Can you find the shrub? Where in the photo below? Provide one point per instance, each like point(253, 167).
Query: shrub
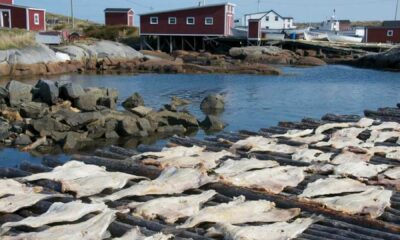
point(16, 38)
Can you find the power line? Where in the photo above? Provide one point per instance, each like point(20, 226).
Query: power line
point(397, 7)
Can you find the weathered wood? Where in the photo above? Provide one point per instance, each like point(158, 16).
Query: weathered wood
point(33, 168)
point(109, 154)
point(12, 173)
point(342, 233)
point(122, 151)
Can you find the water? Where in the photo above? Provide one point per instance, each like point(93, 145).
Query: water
point(254, 102)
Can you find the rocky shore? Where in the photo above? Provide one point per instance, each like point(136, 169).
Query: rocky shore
point(63, 114)
point(389, 60)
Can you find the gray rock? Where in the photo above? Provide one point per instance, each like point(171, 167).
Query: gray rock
point(47, 91)
point(94, 97)
point(39, 53)
point(33, 110)
point(77, 120)
point(74, 140)
point(4, 130)
point(128, 127)
point(22, 140)
point(171, 130)
point(86, 102)
point(141, 111)
point(71, 91)
point(111, 135)
point(3, 95)
point(96, 130)
point(179, 118)
point(212, 123)
point(19, 93)
point(133, 101)
point(213, 102)
point(145, 125)
point(46, 125)
point(179, 101)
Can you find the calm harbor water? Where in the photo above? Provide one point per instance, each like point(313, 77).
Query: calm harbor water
point(253, 102)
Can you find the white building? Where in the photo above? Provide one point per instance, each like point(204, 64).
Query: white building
point(270, 20)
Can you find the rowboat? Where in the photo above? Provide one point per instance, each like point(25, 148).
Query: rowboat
point(315, 36)
point(344, 39)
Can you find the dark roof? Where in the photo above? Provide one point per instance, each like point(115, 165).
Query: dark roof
point(189, 8)
point(392, 24)
point(20, 6)
point(265, 13)
point(117, 9)
point(344, 21)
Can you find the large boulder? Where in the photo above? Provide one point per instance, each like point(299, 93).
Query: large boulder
point(179, 118)
point(33, 110)
point(71, 91)
point(47, 91)
point(46, 125)
point(133, 101)
point(77, 120)
point(212, 123)
point(75, 140)
point(213, 102)
point(19, 93)
point(389, 60)
point(129, 127)
point(94, 97)
point(23, 140)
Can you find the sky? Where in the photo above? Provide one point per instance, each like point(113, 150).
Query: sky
point(300, 10)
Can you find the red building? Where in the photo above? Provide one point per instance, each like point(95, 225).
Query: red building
point(254, 33)
point(185, 28)
point(15, 16)
point(119, 16)
point(382, 34)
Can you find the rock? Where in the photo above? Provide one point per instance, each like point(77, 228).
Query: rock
point(5, 69)
point(179, 102)
point(310, 61)
point(71, 91)
point(161, 66)
point(33, 110)
point(96, 130)
point(171, 130)
point(170, 107)
point(18, 93)
point(4, 130)
point(213, 102)
point(145, 125)
point(141, 111)
point(39, 53)
point(243, 52)
point(179, 118)
point(133, 101)
point(86, 102)
point(77, 120)
point(74, 140)
point(111, 135)
point(128, 127)
point(46, 125)
point(389, 60)
point(22, 140)
point(212, 123)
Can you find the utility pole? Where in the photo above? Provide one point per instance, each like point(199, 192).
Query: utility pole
point(397, 8)
point(72, 14)
point(258, 5)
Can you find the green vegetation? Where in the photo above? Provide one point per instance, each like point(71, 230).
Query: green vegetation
point(353, 24)
point(16, 38)
point(123, 34)
point(59, 22)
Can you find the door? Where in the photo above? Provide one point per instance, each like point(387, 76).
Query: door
point(5, 19)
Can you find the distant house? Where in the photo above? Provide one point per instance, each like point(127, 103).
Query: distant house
point(345, 25)
point(391, 24)
point(382, 34)
point(16, 16)
point(270, 20)
point(187, 27)
point(119, 16)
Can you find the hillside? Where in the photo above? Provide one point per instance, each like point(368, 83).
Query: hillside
point(58, 22)
point(353, 23)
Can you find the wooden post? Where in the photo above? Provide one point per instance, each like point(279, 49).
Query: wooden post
point(183, 44)
point(141, 42)
point(158, 43)
point(194, 43)
point(170, 44)
point(204, 43)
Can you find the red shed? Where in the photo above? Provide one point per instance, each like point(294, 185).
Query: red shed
point(15, 16)
point(119, 16)
point(186, 27)
point(382, 34)
point(254, 32)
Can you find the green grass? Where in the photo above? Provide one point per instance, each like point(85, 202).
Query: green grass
point(16, 38)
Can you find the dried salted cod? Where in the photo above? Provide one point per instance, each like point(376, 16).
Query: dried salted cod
point(10, 186)
point(386, 125)
point(242, 211)
point(364, 122)
point(360, 169)
point(232, 167)
point(393, 173)
point(273, 180)
point(347, 156)
point(207, 160)
point(94, 228)
point(379, 136)
point(344, 138)
point(278, 148)
point(331, 186)
point(311, 155)
point(170, 209)
point(295, 133)
point(252, 142)
point(310, 139)
point(276, 231)
point(92, 185)
point(372, 202)
point(171, 181)
point(328, 126)
point(179, 151)
point(13, 203)
point(59, 212)
point(135, 234)
point(68, 171)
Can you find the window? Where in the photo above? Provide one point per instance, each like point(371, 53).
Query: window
point(190, 21)
point(209, 21)
point(267, 18)
point(36, 19)
point(276, 18)
point(154, 20)
point(172, 20)
point(390, 33)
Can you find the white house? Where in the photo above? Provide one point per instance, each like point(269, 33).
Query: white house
point(270, 20)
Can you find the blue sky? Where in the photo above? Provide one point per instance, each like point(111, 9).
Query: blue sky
point(301, 10)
